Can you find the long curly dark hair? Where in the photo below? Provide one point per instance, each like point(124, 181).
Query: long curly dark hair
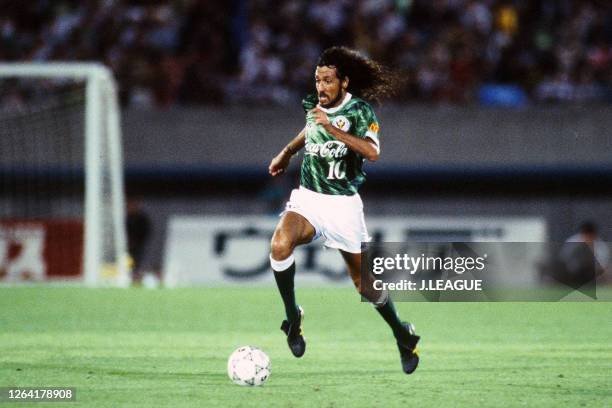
point(368, 79)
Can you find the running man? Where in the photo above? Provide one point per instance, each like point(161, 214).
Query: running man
point(341, 132)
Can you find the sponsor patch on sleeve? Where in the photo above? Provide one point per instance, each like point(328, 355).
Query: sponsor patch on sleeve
point(373, 127)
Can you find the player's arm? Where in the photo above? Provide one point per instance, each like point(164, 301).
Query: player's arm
point(279, 164)
point(365, 147)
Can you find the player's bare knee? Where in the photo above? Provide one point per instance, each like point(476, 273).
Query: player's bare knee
point(281, 247)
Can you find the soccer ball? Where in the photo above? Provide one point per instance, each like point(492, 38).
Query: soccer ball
point(248, 365)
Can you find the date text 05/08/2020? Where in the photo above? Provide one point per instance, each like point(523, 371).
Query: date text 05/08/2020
point(433, 284)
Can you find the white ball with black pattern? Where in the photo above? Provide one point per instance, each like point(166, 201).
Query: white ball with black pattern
point(248, 366)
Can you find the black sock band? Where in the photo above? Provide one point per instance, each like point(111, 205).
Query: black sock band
point(388, 312)
point(284, 281)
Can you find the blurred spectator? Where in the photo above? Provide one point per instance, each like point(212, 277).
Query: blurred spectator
point(138, 226)
point(203, 52)
point(582, 260)
point(598, 256)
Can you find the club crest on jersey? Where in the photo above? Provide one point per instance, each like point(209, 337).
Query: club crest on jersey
point(341, 122)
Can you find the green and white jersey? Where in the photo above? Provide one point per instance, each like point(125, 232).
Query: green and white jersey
point(329, 166)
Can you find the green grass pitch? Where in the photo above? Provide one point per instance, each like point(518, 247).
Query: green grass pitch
point(137, 347)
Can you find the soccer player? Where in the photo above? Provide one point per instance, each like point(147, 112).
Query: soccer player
point(341, 132)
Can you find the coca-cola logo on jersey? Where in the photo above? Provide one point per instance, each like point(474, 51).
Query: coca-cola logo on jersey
point(331, 149)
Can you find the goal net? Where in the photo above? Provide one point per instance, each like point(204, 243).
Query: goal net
point(62, 205)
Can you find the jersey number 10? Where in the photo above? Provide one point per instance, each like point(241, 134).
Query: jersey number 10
point(334, 172)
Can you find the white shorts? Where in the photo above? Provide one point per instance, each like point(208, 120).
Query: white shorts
point(336, 218)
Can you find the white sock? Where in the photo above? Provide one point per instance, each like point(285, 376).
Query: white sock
point(280, 266)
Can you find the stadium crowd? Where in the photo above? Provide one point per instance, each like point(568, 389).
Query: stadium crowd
point(208, 52)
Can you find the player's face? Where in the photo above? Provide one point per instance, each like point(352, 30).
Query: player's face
point(330, 88)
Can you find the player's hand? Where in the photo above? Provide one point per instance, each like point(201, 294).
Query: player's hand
point(320, 117)
point(279, 164)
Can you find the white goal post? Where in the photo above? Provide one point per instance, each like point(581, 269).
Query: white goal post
point(105, 260)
